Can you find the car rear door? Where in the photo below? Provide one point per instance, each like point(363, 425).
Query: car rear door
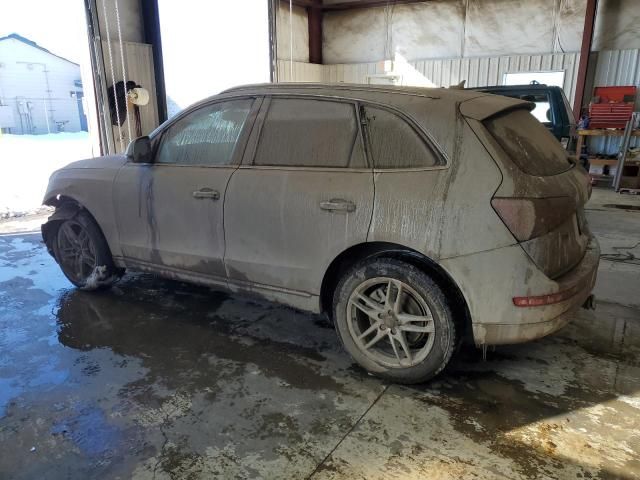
point(303, 195)
point(170, 212)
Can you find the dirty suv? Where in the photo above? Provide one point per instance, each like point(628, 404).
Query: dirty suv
point(414, 218)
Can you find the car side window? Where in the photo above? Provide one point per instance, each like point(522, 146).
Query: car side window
point(207, 136)
point(394, 143)
point(301, 132)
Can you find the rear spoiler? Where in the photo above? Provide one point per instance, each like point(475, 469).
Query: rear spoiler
point(485, 106)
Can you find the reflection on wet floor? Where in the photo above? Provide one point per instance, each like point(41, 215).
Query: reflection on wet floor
point(160, 378)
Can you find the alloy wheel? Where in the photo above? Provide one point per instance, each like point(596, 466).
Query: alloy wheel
point(76, 251)
point(390, 322)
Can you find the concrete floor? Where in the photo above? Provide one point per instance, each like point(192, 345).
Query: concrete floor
point(158, 379)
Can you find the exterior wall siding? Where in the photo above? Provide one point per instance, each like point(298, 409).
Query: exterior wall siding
point(23, 87)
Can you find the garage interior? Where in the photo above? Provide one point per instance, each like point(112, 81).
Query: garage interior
point(156, 378)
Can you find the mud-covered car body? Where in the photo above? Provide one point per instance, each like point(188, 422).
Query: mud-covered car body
point(429, 176)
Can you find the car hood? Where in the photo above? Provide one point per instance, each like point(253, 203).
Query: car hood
point(106, 161)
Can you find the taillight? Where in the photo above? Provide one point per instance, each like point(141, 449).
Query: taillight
point(540, 300)
point(528, 218)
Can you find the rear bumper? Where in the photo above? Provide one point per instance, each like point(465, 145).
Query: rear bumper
point(547, 318)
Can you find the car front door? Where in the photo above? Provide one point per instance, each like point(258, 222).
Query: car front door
point(304, 196)
point(170, 212)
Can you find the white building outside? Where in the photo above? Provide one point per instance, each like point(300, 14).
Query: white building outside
point(40, 92)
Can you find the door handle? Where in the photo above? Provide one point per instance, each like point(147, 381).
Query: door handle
point(338, 205)
point(207, 193)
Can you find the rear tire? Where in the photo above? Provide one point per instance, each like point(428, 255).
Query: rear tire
point(82, 252)
point(394, 320)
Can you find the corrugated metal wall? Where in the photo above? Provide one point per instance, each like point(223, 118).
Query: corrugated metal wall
point(302, 72)
point(478, 72)
point(613, 67)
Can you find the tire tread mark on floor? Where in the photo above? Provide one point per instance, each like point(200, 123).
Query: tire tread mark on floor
point(353, 427)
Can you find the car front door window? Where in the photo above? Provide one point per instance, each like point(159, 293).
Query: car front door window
point(207, 136)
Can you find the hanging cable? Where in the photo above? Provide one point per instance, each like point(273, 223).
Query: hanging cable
point(291, 40)
point(124, 72)
point(113, 74)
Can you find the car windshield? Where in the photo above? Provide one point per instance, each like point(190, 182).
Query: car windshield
point(528, 143)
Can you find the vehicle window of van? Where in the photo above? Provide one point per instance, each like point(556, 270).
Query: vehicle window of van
point(394, 143)
point(542, 110)
point(310, 133)
point(528, 143)
point(207, 136)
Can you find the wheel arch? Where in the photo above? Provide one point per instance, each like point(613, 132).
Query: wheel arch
point(66, 207)
point(362, 251)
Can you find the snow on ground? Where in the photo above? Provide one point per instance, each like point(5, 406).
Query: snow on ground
point(27, 161)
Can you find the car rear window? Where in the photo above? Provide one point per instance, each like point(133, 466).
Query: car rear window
point(528, 143)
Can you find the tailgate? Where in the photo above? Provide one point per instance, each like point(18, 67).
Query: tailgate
point(541, 199)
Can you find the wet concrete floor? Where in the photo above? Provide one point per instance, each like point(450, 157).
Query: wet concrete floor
point(159, 379)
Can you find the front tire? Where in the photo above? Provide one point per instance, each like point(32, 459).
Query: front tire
point(82, 252)
point(394, 320)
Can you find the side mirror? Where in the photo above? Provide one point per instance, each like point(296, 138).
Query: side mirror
point(139, 150)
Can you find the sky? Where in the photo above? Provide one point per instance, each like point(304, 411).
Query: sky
point(208, 45)
point(58, 26)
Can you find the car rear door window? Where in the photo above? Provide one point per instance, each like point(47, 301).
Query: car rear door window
point(301, 132)
point(528, 143)
point(396, 144)
point(207, 136)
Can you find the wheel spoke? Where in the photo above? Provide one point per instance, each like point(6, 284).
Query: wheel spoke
point(77, 264)
point(403, 343)
point(369, 330)
point(70, 235)
point(379, 336)
point(67, 253)
point(89, 262)
point(83, 239)
point(393, 301)
point(405, 318)
point(417, 328)
point(368, 306)
point(395, 349)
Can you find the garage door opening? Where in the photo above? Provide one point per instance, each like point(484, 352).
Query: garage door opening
point(218, 48)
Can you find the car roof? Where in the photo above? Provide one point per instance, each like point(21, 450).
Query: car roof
point(354, 90)
point(526, 86)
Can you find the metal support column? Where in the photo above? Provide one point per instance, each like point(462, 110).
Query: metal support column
point(585, 50)
point(314, 15)
point(152, 36)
